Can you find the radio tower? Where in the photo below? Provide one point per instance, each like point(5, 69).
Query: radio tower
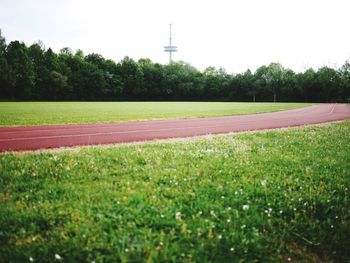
point(170, 48)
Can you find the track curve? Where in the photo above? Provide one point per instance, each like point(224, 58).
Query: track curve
point(55, 136)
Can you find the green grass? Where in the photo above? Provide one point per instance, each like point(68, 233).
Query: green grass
point(262, 197)
point(36, 113)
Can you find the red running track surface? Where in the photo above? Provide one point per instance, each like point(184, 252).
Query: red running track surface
point(55, 136)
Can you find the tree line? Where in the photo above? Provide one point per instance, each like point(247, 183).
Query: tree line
point(37, 73)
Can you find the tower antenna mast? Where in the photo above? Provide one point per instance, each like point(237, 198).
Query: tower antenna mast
point(170, 49)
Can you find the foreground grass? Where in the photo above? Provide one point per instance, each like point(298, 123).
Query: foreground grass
point(36, 113)
point(269, 196)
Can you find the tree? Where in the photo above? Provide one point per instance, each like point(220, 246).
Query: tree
point(329, 83)
point(345, 81)
point(131, 76)
point(274, 77)
point(36, 53)
point(4, 70)
point(21, 69)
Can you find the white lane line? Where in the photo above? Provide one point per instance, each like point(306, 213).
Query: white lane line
point(222, 123)
point(160, 121)
point(333, 109)
point(111, 126)
point(110, 133)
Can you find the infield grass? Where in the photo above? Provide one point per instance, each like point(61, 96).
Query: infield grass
point(274, 196)
point(39, 113)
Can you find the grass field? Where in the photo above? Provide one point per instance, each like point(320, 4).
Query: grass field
point(275, 196)
point(36, 113)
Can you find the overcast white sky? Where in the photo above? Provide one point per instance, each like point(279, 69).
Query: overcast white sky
point(233, 34)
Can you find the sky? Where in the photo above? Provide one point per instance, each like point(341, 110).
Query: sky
point(232, 34)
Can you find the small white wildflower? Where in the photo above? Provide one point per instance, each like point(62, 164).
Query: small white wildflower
point(228, 220)
point(126, 250)
point(328, 201)
point(266, 211)
point(289, 259)
point(161, 243)
point(161, 215)
point(229, 208)
point(281, 212)
point(270, 210)
point(263, 182)
point(294, 209)
point(58, 257)
point(178, 216)
point(200, 213)
point(243, 226)
point(232, 249)
point(245, 207)
point(332, 226)
point(236, 192)
point(31, 259)
point(222, 197)
point(336, 217)
point(219, 236)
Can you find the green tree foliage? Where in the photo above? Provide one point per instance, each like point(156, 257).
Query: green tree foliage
point(22, 76)
point(4, 69)
point(35, 73)
point(345, 80)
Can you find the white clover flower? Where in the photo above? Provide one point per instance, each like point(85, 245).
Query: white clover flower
point(245, 207)
point(219, 236)
point(58, 257)
point(281, 211)
point(178, 216)
point(263, 182)
point(31, 259)
point(232, 249)
point(228, 220)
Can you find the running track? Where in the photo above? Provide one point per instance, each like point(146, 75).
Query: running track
point(55, 136)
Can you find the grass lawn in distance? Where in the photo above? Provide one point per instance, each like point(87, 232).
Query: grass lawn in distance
point(273, 196)
point(39, 113)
